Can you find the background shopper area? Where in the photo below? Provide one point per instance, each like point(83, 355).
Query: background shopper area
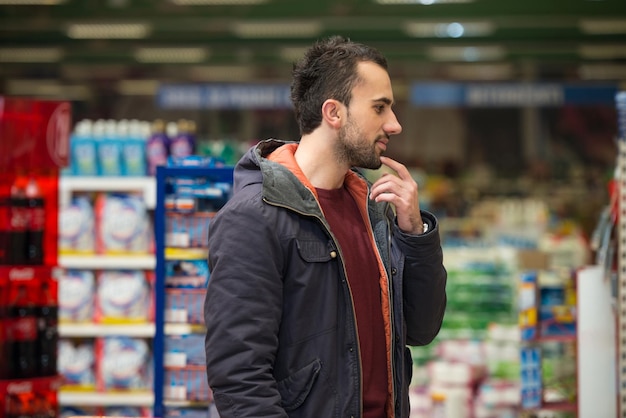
point(121, 120)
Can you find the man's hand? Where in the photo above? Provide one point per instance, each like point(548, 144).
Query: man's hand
point(401, 191)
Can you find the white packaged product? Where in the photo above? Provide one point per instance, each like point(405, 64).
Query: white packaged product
point(76, 296)
point(123, 296)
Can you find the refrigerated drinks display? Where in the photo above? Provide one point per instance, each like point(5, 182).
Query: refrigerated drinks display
point(34, 137)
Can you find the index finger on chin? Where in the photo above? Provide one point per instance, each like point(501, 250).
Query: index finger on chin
point(399, 168)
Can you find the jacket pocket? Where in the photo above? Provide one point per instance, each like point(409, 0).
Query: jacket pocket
point(295, 388)
point(313, 250)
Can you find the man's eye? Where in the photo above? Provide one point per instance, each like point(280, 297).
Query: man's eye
point(379, 109)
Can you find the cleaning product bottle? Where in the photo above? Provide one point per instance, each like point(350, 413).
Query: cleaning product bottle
point(157, 147)
point(83, 146)
point(182, 144)
point(109, 150)
point(134, 149)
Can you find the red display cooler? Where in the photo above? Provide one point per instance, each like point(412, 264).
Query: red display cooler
point(34, 143)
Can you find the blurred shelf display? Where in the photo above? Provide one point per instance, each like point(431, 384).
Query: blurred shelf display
point(32, 154)
point(619, 206)
point(107, 326)
point(187, 200)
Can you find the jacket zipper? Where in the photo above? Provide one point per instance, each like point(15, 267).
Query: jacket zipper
point(389, 300)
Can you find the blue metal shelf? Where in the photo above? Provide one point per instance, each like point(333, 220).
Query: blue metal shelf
point(217, 174)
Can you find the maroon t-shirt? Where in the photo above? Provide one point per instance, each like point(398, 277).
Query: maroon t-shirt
point(360, 262)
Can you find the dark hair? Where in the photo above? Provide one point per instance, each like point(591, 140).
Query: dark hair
point(328, 70)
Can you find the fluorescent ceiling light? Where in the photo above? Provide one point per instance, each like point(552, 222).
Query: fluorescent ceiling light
point(448, 29)
point(602, 51)
point(277, 29)
point(138, 87)
point(466, 53)
point(292, 53)
point(603, 26)
point(47, 89)
point(217, 2)
point(602, 72)
point(221, 73)
point(483, 72)
point(171, 55)
point(32, 2)
point(30, 54)
point(422, 2)
point(87, 71)
point(108, 30)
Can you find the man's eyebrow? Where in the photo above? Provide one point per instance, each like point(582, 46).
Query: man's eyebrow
point(385, 100)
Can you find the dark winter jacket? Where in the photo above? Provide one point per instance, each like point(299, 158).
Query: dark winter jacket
point(281, 330)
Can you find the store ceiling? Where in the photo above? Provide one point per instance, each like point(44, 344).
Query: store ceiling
point(144, 41)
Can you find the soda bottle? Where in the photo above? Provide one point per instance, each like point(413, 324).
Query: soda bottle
point(47, 332)
point(5, 228)
point(4, 366)
point(18, 224)
point(19, 405)
point(36, 222)
point(22, 341)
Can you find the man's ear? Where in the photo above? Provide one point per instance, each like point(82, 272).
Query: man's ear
point(333, 113)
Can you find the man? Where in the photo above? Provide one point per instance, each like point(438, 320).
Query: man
point(317, 285)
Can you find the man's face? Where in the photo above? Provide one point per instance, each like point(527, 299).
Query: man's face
point(370, 121)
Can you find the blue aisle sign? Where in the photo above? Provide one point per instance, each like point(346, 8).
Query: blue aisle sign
point(224, 96)
point(510, 94)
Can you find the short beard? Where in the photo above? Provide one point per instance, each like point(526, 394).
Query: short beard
point(354, 149)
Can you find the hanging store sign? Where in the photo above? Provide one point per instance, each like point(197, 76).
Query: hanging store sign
point(510, 94)
point(224, 96)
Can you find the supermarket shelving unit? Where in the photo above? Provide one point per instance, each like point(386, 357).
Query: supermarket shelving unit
point(621, 274)
point(146, 187)
point(163, 254)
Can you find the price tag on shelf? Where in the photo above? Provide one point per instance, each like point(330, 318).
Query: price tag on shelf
point(176, 315)
point(177, 239)
point(175, 359)
point(176, 392)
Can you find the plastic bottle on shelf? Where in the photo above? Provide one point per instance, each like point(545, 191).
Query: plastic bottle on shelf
point(84, 153)
point(157, 147)
point(182, 143)
point(4, 353)
point(5, 229)
point(36, 223)
point(47, 332)
point(438, 405)
point(18, 223)
point(22, 338)
point(133, 148)
point(109, 149)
